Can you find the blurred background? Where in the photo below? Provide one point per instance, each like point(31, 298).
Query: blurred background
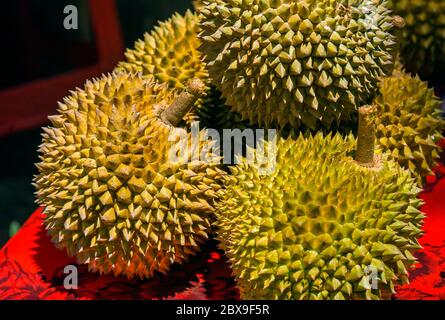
point(42, 61)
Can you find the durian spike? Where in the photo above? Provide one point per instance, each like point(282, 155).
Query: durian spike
point(366, 136)
point(184, 102)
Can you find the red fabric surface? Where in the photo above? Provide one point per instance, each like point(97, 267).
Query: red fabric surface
point(32, 268)
point(427, 280)
point(28, 105)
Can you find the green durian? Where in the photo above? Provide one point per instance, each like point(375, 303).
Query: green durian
point(111, 194)
point(409, 123)
point(169, 53)
point(285, 62)
point(423, 37)
point(319, 221)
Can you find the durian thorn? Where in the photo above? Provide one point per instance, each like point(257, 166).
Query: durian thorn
point(184, 102)
point(366, 136)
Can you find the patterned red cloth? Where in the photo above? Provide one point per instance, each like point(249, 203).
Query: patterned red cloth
point(32, 268)
point(427, 280)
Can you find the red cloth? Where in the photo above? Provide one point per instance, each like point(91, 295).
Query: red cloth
point(32, 268)
point(427, 280)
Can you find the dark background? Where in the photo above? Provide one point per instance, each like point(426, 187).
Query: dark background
point(36, 46)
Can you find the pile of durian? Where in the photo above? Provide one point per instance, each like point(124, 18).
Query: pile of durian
point(357, 135)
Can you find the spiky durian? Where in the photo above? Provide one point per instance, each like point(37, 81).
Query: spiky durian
point(169, 53)
point(409, 123)
point(423, 38)
point(307, 62)
point(112, 194)
point(313, 227)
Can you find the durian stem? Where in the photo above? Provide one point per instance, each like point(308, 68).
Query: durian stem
point(399, 24)
point(184, 102)
point(366, 136)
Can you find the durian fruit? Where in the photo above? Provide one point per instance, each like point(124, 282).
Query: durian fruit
point(409, 123)
point(423, 38)
point(111, 192)
point(320, 221)
point(308, 62)
point(169, 53)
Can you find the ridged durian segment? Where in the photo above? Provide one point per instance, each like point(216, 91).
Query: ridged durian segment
point(423, 41)
point(111, 193)
point(308, 62)
point(312, 228)
point(169, 53)
point(409, 123)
